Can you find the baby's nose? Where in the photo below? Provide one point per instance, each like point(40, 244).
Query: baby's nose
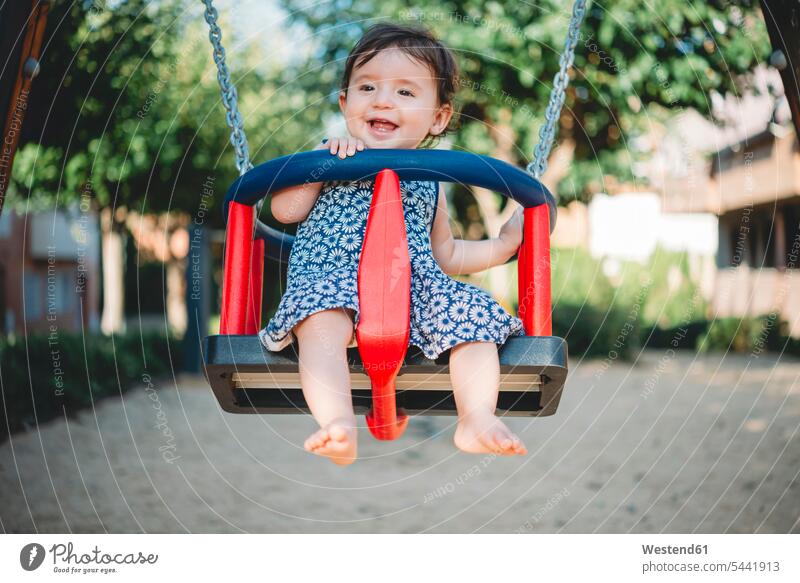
point(384, 97)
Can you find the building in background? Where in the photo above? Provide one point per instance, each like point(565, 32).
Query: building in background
point(747, 174)
point(49, 271)
point(758, 265)
point(728, 195)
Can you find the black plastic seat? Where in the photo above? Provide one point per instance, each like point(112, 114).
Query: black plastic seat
point(247, 378)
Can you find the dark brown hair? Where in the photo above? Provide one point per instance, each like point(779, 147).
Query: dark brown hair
point(421, 45)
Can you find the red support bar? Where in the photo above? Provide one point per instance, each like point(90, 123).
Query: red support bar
point(236, 270)
point(524, 281)
point(533, 262)
point(384, 297)
point(36, 25)
point(253, 323)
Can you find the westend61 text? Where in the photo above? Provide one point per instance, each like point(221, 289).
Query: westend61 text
point(670, 550)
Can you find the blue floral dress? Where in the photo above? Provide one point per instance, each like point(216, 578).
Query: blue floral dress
point(323, 273)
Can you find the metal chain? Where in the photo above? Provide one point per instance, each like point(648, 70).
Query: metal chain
point(230, 98)
point(547, 133)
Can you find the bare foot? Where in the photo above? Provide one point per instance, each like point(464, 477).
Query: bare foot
point(482, 432)
point(336, 441)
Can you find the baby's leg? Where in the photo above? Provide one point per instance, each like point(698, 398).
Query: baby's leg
point(323, 338)
point(475, 374)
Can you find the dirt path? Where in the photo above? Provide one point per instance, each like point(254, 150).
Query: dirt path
point(668, 444)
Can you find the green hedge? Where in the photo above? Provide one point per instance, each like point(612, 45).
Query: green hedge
point(655, 305)
point(596, 318)
point(592, 331)
point(753, 335)
point(677, 337)
point(41, 379)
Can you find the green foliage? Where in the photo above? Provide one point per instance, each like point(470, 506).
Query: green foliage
point(578, 278)
point(597, 331)
point(742, 334)
point(656, 305)
point(594, 316)
point(42, 379)
point(629, 56)
point(128, 103)
point(83, 110)
point(683, 337)
point(672, 298)
point(675, 298)
point(128, 110)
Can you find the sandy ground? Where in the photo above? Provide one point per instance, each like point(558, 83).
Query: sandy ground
point(666, 444)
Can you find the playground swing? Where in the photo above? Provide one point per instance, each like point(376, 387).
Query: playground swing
point(388, 382)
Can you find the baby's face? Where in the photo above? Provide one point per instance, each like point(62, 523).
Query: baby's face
point(392, 102)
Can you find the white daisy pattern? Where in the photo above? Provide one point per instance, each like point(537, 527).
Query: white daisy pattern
point(323, 274)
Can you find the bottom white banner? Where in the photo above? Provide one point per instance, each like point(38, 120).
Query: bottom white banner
point(389, 558)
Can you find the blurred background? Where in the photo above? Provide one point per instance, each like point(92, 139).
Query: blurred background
point(677, 169)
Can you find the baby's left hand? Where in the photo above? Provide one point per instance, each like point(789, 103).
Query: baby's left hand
point(511, 231)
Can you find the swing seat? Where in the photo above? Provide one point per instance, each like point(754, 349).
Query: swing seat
point(248, 378)
point(533, 368)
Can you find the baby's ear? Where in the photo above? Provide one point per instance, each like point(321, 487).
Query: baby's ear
point(442, 119)
point(342, 99)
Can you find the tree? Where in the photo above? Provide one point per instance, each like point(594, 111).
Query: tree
point(629, 57)
point(127, 111)
point(634, 64)
point(87, 131)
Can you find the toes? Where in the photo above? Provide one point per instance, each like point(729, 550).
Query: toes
point(505, 443)
point(494, 443)
point(501, 440)
point(488, 436)
point(333, 442)
point(317, 440)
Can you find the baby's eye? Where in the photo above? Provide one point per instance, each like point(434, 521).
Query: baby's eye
point(406, 91)
point(365, 87)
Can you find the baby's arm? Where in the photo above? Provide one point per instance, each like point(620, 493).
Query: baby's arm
point(457, 256)
point(292, 205)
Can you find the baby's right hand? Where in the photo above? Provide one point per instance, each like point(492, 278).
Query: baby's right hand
point(343, 146)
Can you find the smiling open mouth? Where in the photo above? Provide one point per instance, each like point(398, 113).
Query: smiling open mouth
point(382, 126)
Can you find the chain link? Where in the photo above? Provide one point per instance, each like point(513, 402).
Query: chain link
point(547, 133)
point(230, 98)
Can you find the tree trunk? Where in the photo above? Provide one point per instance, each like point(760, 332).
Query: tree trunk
point(561, 158)
point(113, 318)
point(500, 278)
point(176, 295)
point(175, 265)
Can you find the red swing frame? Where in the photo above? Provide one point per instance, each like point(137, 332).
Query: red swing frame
point(382, 334)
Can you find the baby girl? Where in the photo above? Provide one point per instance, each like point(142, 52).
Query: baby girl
point(397, 92)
